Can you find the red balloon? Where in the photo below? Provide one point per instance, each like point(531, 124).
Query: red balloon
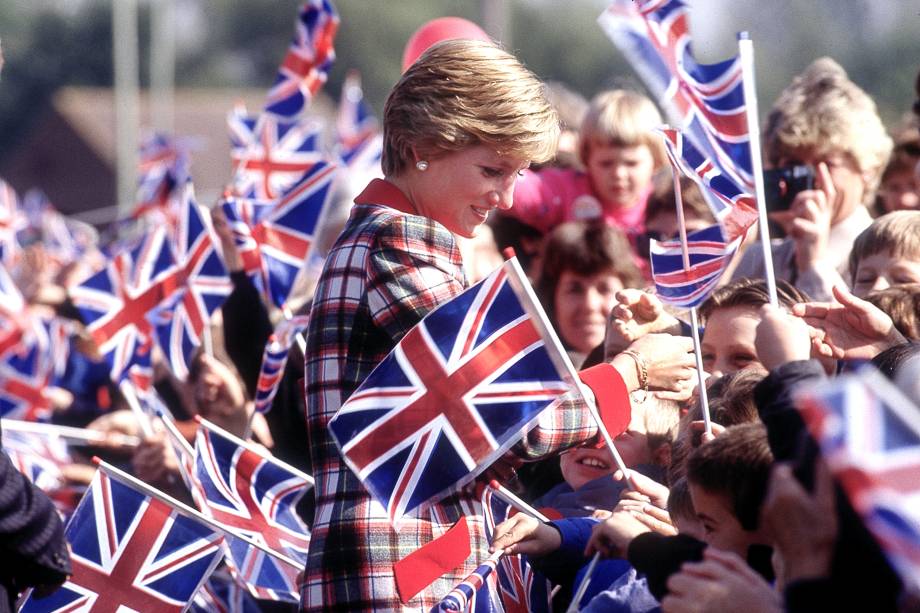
point(436, 30)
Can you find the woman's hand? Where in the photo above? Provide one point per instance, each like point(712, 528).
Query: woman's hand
point(808, 220)
point(670, 364)
point(636, 314)
point(525, 534)
point(853, 328)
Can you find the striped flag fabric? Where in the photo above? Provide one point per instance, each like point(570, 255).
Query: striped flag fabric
point(869, 435)
point(709, 255)
point(306, 64)
point(274, 360)
point(705, 100)
point(477, 593)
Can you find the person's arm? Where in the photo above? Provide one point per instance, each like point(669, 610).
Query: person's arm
point(32, 545)
point(246, 329)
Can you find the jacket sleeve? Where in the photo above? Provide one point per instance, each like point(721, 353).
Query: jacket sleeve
point(246, 329)
point(32, 545)
point(411, 270)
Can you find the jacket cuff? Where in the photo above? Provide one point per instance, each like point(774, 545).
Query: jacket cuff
point(612, 398)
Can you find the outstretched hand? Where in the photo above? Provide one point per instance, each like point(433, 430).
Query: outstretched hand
point(525, 534)
point(636, 314)
point(853, 328)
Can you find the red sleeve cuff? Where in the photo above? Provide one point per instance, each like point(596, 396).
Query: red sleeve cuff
point(612, 398)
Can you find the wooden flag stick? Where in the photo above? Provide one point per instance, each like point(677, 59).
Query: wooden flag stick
point(204, 423)
point(694, 316)
point(70, 434)
point(531, 303)
point(583, 586)
point(511, 498)
point(749, 85)
point(188, 511)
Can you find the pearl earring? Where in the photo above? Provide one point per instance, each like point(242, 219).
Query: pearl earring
point(422, 165)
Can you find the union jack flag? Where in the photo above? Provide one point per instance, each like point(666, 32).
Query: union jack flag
point(477, 593)
point(275, 238)
point(308, 60)
point(65, 240)
point(39, 456)
point(222, 594)
point(131, 552)
point(452, 396)
point(270, 155)
point(202, 285)
point(252, 493)
point(358, 136)
point(274, 359)
point(163, 168)
point(709, 255)
point(706, 100)
point(733, 206)
point(11, 221)
point(869, 434)
point(115, 303)
point(14, 318)
point(29, 369)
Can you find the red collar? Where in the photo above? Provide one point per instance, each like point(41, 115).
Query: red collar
point(380, 191)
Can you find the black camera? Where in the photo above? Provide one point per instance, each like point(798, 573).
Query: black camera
point(782, 184)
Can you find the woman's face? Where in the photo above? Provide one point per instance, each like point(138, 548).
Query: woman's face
point(582, 304)
point(460, 189)
point(620, 175)
point(728, 341)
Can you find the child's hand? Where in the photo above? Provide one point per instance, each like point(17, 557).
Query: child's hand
point(655, 519)
point(781, 338)
point(646, 489)
point(706, 437)
point(525, 534)
point(612, 536)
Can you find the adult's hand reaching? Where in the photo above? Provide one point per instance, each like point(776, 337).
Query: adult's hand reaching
point(853, 328)
point(636, 314)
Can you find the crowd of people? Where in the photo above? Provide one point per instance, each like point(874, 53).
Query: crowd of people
point(730, 508)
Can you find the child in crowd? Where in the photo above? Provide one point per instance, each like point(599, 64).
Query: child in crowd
point(644, 446)
point(899, 189)
point(661, 213)
point(825, 121)
point(620, 155)
point(886, 253)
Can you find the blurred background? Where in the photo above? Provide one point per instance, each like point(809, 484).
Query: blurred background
point(57, 105)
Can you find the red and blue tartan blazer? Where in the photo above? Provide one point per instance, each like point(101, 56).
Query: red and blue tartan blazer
point(386, 271)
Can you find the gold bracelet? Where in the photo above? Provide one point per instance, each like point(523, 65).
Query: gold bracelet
point(641, 368)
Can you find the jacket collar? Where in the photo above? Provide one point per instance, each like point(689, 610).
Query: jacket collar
point(380, 191)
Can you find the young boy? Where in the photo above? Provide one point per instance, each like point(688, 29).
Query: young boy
point(644, 446)
point(886, 253)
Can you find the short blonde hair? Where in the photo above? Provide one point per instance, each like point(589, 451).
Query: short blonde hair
point(621, 118)
point(824, 112)
point(897, 232)
point(462, 93)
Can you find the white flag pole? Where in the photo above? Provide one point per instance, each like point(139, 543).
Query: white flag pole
point(521, 285)
point(583, 586)
point(694, 316)
point(514, 500)
point(188, 511)
point(69, 433)
point(746, 55)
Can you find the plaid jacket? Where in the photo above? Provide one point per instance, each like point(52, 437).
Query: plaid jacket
point(387, 270)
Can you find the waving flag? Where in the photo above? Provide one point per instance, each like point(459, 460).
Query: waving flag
point(270, 155)
point(275, 238)
point(358, 139)
point(202, 286)
point(163, 168)
point(869, 434)
point(733, 206)
point(130, 552)
point(274, 360)
point(706, 100)
point(250, 492)
point(454, 394)
point(28, 370)
point(709, 256)
point(308, 60)
point(115, 303)
point(11, 221)
point(39, 456)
